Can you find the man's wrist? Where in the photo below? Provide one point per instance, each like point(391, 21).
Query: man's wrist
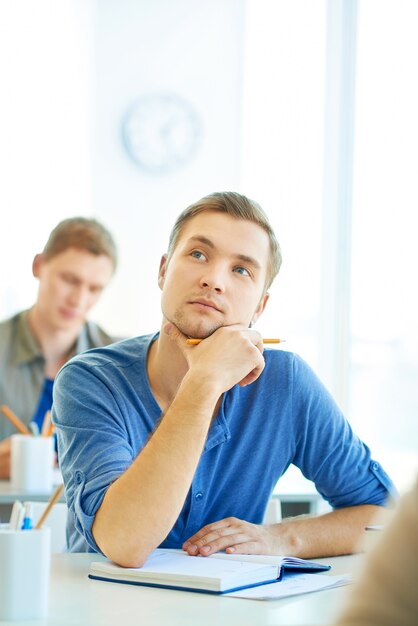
point(285, 539)
point(204, 390)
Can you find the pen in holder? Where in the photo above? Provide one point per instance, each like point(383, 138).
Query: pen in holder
point(25, 555)
point(24, 573)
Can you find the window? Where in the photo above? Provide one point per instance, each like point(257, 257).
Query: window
point(356, 325)
point(284, 69)
point(383, 392)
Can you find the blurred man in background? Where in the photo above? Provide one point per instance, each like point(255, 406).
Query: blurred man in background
point(75, 266)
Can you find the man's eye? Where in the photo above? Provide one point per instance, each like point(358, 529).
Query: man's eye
point(242, 271)
point(71, 280)
point(197, 254)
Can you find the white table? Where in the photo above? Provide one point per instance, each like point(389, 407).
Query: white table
point(76, 600)
point(8, 495)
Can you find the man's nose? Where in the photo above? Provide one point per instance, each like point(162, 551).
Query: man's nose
point(213, 279)
point(79, 296)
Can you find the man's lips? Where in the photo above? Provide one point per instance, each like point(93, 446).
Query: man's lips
point(69, 313)
point(207, 304)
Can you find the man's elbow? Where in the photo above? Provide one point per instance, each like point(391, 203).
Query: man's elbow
point(124, 559)
point(123, 553)
point(120, 549)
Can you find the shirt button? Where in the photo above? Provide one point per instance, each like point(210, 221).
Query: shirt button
point(375, 466)
point(198, 496)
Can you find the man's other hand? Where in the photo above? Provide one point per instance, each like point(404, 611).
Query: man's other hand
point(233, 535)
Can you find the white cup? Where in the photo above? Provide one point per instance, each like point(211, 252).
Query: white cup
point(32, 463)
point(25, 557)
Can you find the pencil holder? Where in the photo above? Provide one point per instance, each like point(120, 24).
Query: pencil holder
point(32, 460)
point(24, 573)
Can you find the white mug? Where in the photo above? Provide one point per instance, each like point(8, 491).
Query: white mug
point(32, 462)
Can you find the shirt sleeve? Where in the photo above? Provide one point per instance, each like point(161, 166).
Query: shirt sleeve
point(93, 444)
point(328, 452)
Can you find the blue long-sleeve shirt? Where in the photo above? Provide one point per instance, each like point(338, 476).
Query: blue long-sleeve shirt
point(105, 412)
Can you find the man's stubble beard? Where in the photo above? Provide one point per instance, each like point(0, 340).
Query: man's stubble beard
point(200, 329)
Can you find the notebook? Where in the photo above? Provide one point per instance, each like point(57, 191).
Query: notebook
point(218, 574)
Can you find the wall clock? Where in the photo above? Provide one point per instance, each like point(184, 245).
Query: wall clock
point(162, 132)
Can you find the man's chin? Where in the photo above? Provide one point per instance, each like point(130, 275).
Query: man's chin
point(69, 324)
point(197, 331)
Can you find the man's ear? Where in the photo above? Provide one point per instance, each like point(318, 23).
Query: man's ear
point(162, 271)
point(260, 308)
point(36, 265)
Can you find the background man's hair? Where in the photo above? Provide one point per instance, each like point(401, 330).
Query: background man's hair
point(84, 234)
point(239, 207)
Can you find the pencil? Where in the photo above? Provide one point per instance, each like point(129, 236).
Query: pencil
point(51, 430)
point(195, 342)
point(55, 496)
point(17, 423)
point(46, 424)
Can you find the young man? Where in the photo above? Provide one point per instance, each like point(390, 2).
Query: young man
point(75, 266)
point(165, 443)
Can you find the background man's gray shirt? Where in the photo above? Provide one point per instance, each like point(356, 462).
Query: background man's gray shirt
point(22, 365)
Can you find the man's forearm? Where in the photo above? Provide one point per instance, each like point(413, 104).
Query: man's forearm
point(141, 507)
point(332, 534)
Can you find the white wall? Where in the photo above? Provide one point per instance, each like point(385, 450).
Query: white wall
point(45, 147)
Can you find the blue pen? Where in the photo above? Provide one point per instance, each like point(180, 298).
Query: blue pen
point(34, 428)
point(28, 518)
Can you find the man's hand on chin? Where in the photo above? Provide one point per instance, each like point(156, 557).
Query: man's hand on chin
point(233, 354)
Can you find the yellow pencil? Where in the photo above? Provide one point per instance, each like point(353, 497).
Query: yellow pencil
point(51, 430)
point(17, 423)
point(46, 424)
point(55, 496)
point(195, 342)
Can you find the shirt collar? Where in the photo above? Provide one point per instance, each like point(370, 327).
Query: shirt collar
point(27, 348)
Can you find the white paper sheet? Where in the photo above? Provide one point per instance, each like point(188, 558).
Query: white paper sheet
point(293, 585)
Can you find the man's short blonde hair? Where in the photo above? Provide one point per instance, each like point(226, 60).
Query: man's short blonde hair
point(84, 234)
point(240, 207)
